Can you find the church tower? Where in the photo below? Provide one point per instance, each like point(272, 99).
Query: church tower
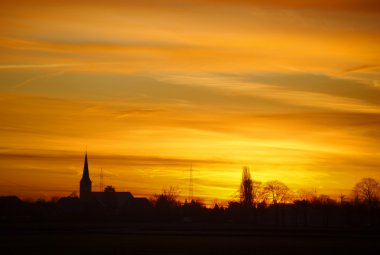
point(85, 182)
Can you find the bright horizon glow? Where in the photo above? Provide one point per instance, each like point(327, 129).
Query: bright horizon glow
point(289, 89)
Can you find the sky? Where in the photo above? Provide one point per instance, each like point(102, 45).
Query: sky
point(152, 89)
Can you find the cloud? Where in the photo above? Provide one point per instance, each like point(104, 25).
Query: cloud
point(336, 5)
point(323, 5)
point(37, 66)
point(359, 69)
point(303, 91)
point(203, 37)
point(319, 83)
point(131, 160)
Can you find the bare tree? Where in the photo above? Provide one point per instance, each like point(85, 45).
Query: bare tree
point(258, 193)
point(367, 191)
point(306, 195)
point(168, 198)
point(277, 192)
point(246, 188)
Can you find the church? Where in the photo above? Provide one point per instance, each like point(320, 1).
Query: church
point(113, 198)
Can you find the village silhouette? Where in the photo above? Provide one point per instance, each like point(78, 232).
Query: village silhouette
point(269, 206)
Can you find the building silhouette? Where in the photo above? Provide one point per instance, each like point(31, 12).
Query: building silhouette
point(105, 198)
point(85, 183)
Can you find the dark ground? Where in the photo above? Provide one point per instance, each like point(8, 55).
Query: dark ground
point(62, 238)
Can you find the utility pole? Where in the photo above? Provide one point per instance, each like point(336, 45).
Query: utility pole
point(101, 180)
point(191, 183)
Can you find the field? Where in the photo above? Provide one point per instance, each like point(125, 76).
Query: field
point(114, 239)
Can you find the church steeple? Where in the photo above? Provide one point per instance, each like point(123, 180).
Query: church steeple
point(86, 174)
point(85, 182)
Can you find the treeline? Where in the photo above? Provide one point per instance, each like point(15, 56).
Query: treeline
point(254, 193)
point(262, 205)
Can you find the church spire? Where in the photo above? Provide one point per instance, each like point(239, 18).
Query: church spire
point(85, 182)
point(86, 174)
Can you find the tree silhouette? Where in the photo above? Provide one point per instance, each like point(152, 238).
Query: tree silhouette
point(277, 192)
point(166, 204)
point(258, 193)
point(367, 191)
point(109, 189)
point(246, 188)
point(168, 198)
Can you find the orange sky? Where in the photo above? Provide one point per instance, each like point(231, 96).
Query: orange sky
point(151, 87)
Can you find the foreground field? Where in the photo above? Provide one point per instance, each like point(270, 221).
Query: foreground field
point(124, 240)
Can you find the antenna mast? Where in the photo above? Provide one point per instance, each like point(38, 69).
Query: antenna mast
point(191, 183)
point(101, 180)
